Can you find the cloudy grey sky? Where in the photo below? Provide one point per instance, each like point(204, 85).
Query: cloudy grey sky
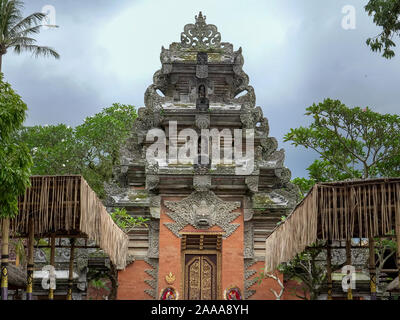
point(296, 53)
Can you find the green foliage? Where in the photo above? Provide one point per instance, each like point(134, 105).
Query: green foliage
point(99, 284)
point(16, 31)
point(385, 248)
point(304, 185)
point(91, 149)
point(306, 269)
point(351, 142)
point(54, 149)
point(15, 161)
point(386, 14)
point(125, 221)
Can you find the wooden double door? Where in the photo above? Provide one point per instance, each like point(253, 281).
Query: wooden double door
point(201, 276)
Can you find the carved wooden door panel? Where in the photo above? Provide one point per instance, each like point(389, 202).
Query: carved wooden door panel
point(200, 277)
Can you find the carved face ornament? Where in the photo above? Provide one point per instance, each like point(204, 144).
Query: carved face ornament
point(203, 214)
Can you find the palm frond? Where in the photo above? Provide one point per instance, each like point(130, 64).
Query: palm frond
point(28, 31)
point(32, 20)
point(10, 14)
point(22, 41)
point(36, 50)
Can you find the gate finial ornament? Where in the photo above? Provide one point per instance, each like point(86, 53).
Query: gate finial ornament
point(200, 35)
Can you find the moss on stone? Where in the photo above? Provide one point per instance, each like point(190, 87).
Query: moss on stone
point(139, 195)
point(262, 199)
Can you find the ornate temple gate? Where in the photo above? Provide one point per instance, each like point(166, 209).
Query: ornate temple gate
point(201, 261)
point(204, 87)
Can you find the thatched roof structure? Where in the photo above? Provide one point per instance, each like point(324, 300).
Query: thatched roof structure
point(66, 207)
point(336, 211)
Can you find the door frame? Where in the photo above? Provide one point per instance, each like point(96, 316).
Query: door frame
point(201, 252)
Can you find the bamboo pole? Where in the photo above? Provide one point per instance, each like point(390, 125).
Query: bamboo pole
point(372, 268)
point(30, 266)
point(71, 270)
point(4, 258)
point(348, 262)
point(329, 269)
point(52, 263)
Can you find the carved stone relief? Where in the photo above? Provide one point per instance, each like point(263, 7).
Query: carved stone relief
point(202, 209)
point(248, 240)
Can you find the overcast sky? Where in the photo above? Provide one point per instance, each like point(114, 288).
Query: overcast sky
point(296, 53)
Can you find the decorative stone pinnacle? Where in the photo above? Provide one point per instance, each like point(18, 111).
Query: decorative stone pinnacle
point(200, 19)
point(200, 35)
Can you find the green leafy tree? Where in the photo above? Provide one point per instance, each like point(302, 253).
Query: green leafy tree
point(385, 248)
point(91, 149)
point(351, 142)
point(386, 14)
point(127, 222)
point(15, 160)
point(54, 149)
point(101, 137)
point(16, 31)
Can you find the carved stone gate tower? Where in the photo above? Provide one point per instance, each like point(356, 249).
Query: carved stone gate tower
point(208, 224)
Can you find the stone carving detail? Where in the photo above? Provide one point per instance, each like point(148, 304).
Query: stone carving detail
point(201, 170)
point(202, 65)
point(252, 183)
point(278, 157)
point(200, 35)
point(247, 209)
point(290, 194)
point(202, 183)
point(250, 116)
point(248, 240)
point(202, 121)
point(284, 174)
point(115, 193)
point(152, 168)
point(154, 231)
point(155, 206)
point(152, 182)
point(153, 282)
point(202, 209)
point(248, 263)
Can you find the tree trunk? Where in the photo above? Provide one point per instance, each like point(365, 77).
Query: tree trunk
point(1, 61)
point(113, 275)
point(4, 257)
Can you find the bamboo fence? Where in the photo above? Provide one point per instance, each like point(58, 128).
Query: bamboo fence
point(66, 206)
point(336, 211)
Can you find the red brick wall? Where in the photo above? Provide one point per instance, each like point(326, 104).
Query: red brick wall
point(131, 282)
point(170, 255)
point(263, 291)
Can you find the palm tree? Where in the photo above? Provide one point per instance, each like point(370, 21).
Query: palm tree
point(15, 30)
